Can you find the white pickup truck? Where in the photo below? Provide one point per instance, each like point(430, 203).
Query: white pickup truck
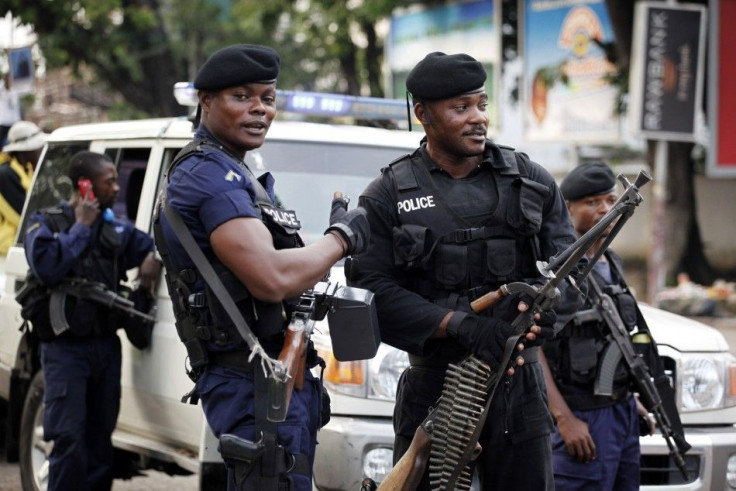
point(309, 161)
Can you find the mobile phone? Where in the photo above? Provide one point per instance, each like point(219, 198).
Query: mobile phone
point(85, 189)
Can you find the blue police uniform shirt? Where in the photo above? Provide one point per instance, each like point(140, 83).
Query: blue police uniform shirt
point(207, 190)
point(51, 256)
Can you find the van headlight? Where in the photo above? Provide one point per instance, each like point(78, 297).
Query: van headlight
point(374, 379)
point(707, 381)
point(384, 372)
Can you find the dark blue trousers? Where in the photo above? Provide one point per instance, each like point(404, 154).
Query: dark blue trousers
point(82, 401)
point(615, 431)
point(229, 406)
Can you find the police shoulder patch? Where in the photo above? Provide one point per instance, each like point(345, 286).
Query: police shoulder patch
point(232, 176)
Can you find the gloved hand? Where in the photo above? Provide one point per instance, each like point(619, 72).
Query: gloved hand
point(351, 225)
point(485, 337)
point(546, 322)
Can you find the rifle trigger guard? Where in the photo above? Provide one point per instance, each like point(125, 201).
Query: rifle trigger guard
point(518, 287)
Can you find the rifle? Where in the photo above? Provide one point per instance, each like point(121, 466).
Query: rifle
point(622, 349)
point(348, 308)
point(557, 270)
point(87, 290)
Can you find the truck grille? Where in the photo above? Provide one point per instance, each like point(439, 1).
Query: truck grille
point(660, 469)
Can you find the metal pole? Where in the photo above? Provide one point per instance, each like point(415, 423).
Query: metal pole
point(656, 273)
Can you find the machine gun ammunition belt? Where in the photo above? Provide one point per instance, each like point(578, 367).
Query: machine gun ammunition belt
point(460, 407)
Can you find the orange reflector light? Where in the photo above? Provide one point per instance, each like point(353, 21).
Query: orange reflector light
point(732, 380)
point(342, 372)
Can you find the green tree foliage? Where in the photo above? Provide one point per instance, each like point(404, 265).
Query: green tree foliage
point(123, 43)
point(140, 48)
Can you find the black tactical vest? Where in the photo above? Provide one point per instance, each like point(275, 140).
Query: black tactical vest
point(202, 323)
point(99, 263)
point(575, 355)
point(441, 258)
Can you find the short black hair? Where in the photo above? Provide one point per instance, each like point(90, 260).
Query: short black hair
point(84, 164)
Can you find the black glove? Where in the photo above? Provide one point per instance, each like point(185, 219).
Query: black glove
point(546, 322)
point(351, 225)
point(485, 337)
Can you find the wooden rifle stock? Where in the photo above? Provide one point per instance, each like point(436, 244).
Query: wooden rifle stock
point(289, 373)
point(408, 471)
point(489, 299)
point(294, 357)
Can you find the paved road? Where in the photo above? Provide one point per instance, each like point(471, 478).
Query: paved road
point(152, 481)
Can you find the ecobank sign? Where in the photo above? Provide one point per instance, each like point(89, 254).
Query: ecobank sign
point(667, 70)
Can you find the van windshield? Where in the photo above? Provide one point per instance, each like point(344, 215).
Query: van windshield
point(308, 173)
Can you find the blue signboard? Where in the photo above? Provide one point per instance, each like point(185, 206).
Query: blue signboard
point(567, 95)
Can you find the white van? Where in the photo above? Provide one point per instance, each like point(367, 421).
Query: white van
point(309, 161)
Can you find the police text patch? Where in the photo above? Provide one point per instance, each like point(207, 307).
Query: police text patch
point(285, 218)
point(414, 204)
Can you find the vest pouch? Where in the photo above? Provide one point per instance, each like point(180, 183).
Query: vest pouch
point(532, 196)
point(501, 258)
point(410, 244)
point(583, 359)
point(272, 319)
point(626, 309)
point(222, 331)
point(451, 265)
point(34, 301)
point(138, 330)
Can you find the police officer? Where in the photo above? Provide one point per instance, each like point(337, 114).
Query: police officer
point(17, 162)
point(255, 247)
point(458, 218)
point(596, 442)
point(81, 367)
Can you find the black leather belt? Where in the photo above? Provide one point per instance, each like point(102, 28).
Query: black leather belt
point(237, 360)
point(584, 402)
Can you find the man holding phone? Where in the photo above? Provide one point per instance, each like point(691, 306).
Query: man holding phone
point(81, 366)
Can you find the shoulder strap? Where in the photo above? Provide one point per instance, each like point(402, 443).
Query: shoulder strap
point(510, 156)
point(403, 173)
point(210, 276)
point(57, 220)
point(191, 148)
point(522, 162)
point(195, 147)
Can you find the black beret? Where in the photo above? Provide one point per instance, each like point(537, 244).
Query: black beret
point(441, 76)
point(237, 65)
point(589, 179)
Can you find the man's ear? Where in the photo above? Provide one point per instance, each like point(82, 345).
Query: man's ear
point(205, 99)
point(420, 110)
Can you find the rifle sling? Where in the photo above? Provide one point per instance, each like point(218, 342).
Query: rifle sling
point(208, 273)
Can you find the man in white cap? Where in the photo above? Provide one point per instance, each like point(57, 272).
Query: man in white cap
point(17, 162)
